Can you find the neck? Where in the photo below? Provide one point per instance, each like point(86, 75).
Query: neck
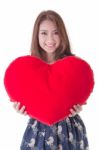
point(50, 58)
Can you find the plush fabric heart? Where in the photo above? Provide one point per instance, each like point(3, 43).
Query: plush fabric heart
point(49, 90)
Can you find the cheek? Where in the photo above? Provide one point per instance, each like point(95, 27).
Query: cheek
point(41, 40)
point(58, 41)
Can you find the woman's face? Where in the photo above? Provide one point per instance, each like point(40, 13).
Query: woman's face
point(48, 36)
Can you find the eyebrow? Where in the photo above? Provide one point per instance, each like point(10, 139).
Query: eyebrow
point(47, 30)
point(43, 30)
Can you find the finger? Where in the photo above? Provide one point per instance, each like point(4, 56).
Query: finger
point(25, 113)
point(73, 113)
point(70, 115)
point(22, 110)
point(77, 108)
point(17, 106)
point(14, 104)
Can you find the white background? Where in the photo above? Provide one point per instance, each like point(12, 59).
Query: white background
point(16, 23)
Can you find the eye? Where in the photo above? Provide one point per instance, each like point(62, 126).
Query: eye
point(43, 33)
point(56, 32)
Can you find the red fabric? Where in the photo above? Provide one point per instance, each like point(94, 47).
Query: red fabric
point(49, 90)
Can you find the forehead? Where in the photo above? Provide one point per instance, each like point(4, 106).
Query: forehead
point(47, 24)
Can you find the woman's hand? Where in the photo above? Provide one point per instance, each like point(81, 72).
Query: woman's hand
point(76, 110)
point(21, 110)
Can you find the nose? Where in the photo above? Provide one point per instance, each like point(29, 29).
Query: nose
point(50, 39)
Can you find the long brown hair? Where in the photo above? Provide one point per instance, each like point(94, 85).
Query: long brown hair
point(64, 48)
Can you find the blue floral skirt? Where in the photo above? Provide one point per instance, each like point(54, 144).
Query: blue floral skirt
point(68, 134)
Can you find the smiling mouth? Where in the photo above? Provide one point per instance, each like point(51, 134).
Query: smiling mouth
point(50, 45)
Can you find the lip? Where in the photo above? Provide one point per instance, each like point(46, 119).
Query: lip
point(50, 45)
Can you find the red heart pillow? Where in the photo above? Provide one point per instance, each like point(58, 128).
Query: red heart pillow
point(49, 90)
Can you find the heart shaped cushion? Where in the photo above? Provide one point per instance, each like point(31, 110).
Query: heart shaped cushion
point(49, 90)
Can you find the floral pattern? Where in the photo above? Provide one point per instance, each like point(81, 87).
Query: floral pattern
point(68, 134)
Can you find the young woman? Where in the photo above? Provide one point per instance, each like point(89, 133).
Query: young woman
point(50, 42)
